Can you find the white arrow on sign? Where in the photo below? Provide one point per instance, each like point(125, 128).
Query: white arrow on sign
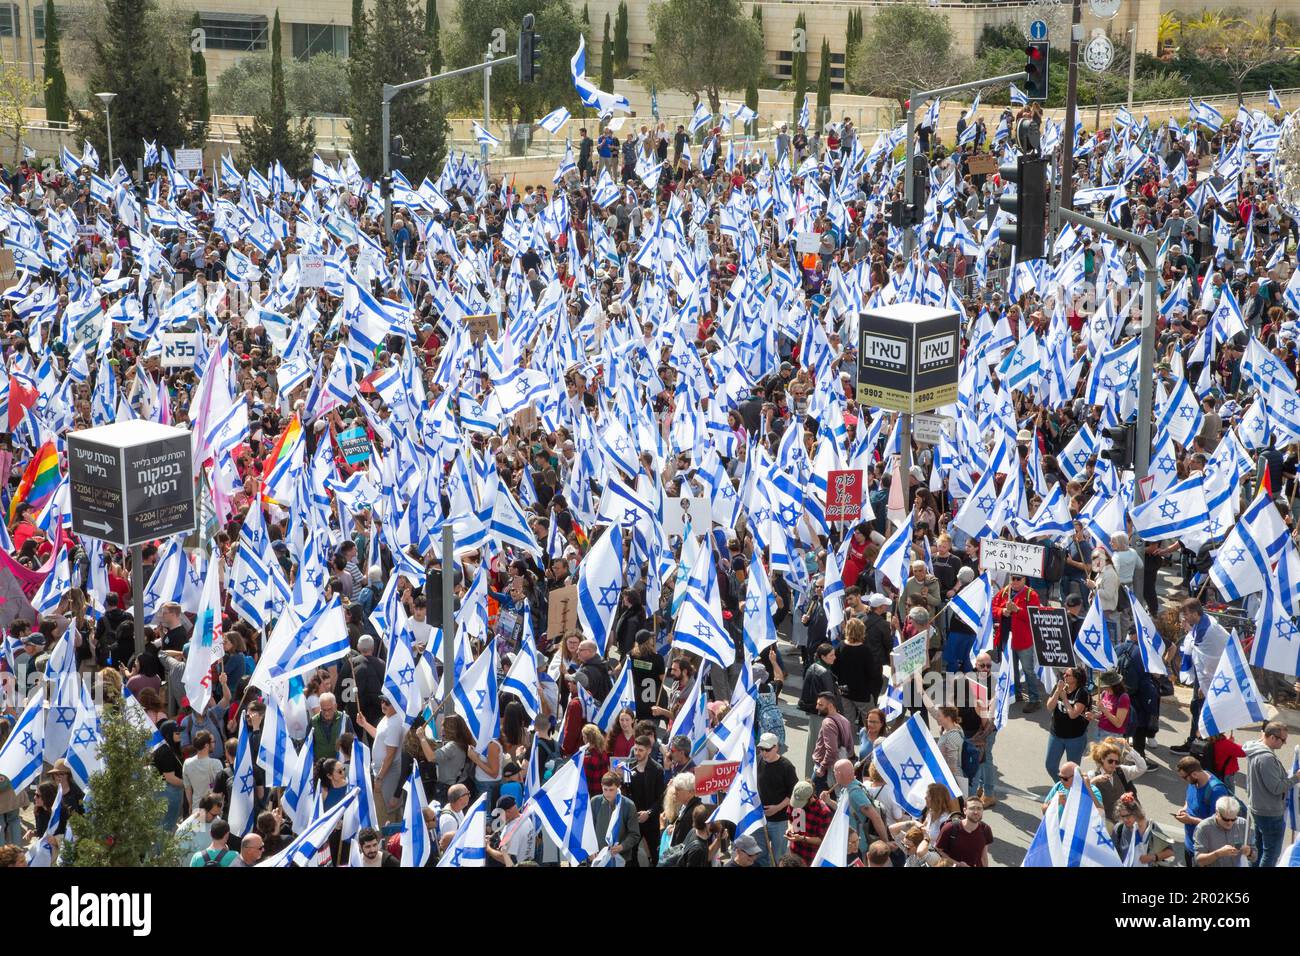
point(102, 526)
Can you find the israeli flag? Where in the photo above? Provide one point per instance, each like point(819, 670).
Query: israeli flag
point(1077, 837)
point(600, 586)
point(699, 625)
point(243, 808)
point(24, 749)
point(1093, 647)
point(1178, 512)
point(1244, 560)
point(760, 605)
point(910, 762)
point(562, 808)
point(834, 849)
point(1293, 798)
point(621, 697)
point(363, 813)
point(1019, 97)
point(700, 118)
point(483, 137)
point(476, 698)
point(522, 679)
point(1291, 855)
point(1277, 639)
point(399, 676)
point(554, 121)
point(1149, 641)
point(1232, 699)
point(1274, 100)
point(416, 846)
point(805, 112)
point(974, 605)
point(468, 848)
point(741, 805)
point(895, 557)
point(313, 842)
point(1182, 415)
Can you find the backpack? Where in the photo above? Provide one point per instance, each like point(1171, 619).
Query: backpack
point(673, 856)
point(209, 860)
point(970, 758)
point(1203, 751)
point(1053, 563)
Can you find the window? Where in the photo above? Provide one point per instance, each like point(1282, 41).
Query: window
point(312, 38)
point(234, 31)
point(10, 21)
point(38, 19)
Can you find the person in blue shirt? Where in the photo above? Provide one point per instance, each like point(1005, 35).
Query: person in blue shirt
point(1203, 791)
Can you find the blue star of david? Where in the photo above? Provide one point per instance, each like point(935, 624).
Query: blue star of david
point(911, 771)
point(568, 806)
point(986, 503)
point(751, 605)
point(246, 782)
point(622, 445)
point(1122, 368)
point(249, 586)
point(630, 515)
point(1080, 458)
point(456, 855)
point(1186, 412)
point(1215, 524)
point(406, 675)
point(1102, 838)
point(277, 605)
point(1246, 692)
point(703, 630)
point(1168, 509)
point(746, 794)
point(482, 698)
point(84, 735)
point(1289, 406)
point(609, 595)
point(1238, 555)
point(29, 743)
point(1166, 465)
point(727, 491)
point(1018, 359)
point(789, 514)
point(65, 716)
point(984, 407)
point(1092, 637)
point(1221, 686)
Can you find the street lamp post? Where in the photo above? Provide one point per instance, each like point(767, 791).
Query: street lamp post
point(107, 98)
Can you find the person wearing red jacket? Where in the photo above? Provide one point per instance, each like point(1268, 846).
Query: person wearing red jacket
point(1011, 613)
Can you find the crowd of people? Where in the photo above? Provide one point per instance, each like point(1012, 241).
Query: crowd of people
point(617, 400)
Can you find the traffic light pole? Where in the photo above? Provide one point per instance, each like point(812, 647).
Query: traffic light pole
point(1148, 249)
point(1071, 107)
point(391, 90)
point(924, 96)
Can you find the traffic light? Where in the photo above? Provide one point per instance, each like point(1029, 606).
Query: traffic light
point(397, 155)
point(530, 51)
point(386, 185)
point(1028, 205)
point(898, 213)
point(1122, 445)
point(1036, 52)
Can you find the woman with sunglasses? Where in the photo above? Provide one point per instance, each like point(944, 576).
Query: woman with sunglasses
point(1139, 841)
point(1068, 706)
point(1118, 765)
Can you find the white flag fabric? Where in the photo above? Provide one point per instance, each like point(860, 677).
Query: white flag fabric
point(834, 849)
point(206, 647)
point(600, 586)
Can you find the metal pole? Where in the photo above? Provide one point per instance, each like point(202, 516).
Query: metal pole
point(108, 127)
point(388, 200)
point(913, 104)
point(1146, 371)
point(448, 615)
point(1132, 61)
point(487, 106)
point(137, 591)
point(1071, 96)
point(905, 462)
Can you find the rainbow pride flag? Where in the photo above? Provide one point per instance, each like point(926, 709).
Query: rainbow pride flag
point(280, 467)
point(39, 481)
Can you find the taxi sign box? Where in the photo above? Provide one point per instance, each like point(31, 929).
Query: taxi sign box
point(131, 482)
point(907, 357)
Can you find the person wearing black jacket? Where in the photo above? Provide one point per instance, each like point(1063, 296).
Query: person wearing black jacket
point(646, 791)
point(818, 678)
point(853, 669)
point(879, 640)
point(630, 619)
point(368, 672)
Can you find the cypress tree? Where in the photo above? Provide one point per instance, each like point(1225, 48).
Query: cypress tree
point(751, 90)
point(824, 86)
point(606, 60)
point(199, 111)
point(620, 40)
point(56, 85)
point(431, 29)
point(272, 136)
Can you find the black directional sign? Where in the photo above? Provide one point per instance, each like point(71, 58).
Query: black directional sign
point(131, 482)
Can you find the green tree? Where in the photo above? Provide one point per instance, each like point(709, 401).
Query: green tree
point(824, 86)
point(124, 812)
point(703, 47)
point(274, 134)
point(555, 20)
point(799, 63)
point(316, 86)
point(396, 51)
point(751, 88)
point(136, 55)
point(620, 40)
point(16, 92)
point(56, 85)
point(432, 28)
point(199, 111)
point(909, 47)
point(1235, 46)
point(606, 59)
point(586, 19)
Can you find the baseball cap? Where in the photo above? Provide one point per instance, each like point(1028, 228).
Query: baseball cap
point(747, 844)
point(505, 803)
point(878, 600)
point(767, 741)
point(802, 793)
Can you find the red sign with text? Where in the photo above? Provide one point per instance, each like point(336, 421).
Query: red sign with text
point(844, 495)
point(715, 777)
